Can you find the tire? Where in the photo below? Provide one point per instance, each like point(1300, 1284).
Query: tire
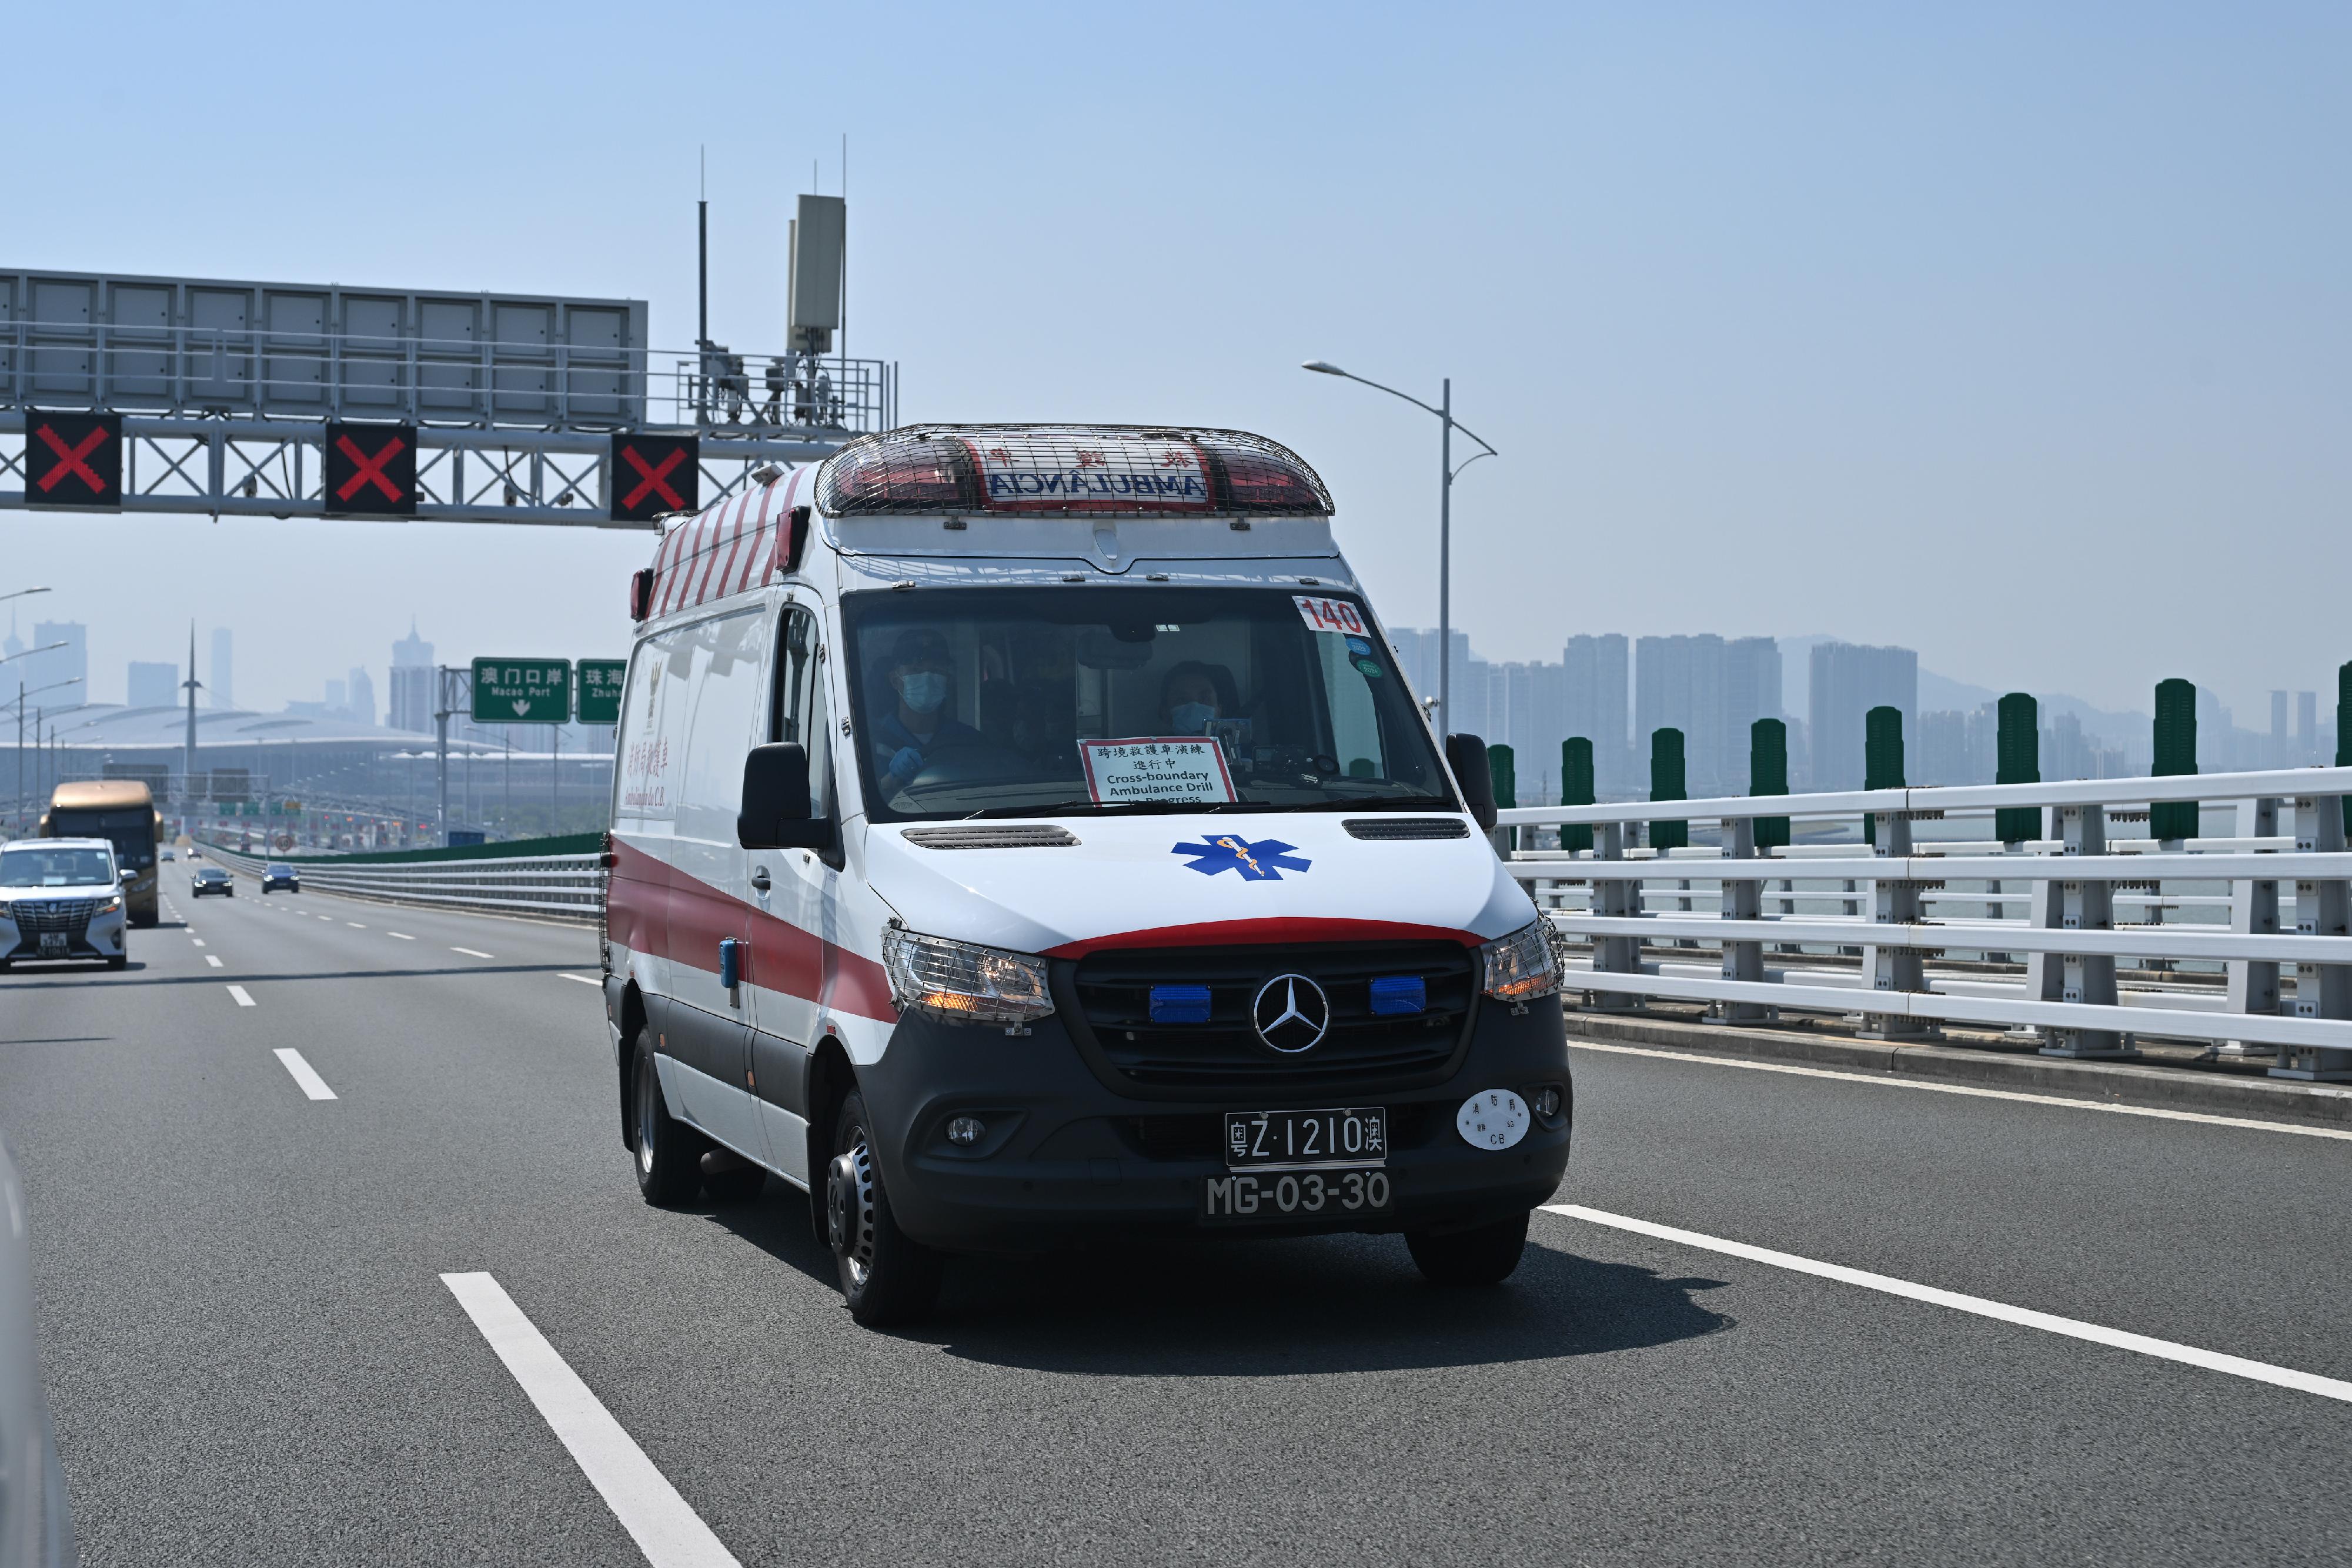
point(669, 1152)
point(1484, 1255)
point(886, 1276)
point(121, 961)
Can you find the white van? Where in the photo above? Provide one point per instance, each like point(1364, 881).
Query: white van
point(1024, 834)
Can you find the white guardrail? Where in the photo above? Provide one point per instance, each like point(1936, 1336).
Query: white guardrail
point(2240, 941)
point(546, 887)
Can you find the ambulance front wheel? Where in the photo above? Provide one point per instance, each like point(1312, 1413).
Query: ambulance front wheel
point(886, 1276)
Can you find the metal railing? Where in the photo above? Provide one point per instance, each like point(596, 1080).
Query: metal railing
point(2241, 942)
point(548, 887)
point(272, 374)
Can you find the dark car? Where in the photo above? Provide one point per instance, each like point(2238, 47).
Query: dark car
point(281, 874)
point(211, 879)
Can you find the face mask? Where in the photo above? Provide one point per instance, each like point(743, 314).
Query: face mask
point(1192, 719)
point(923, 691)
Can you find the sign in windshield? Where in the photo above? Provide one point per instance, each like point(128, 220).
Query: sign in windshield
point(1028, 701)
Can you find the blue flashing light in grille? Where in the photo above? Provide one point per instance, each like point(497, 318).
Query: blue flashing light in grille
point(1399, 994)
point(1184, 1004)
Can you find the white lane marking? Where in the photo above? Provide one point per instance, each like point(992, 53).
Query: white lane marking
point(2205, 1117)
point(304, 1073)
point(403, 935)
point(2024, 1317)
point(197, 940)
point(354, 924)
point(584, 979)
point(327, 918)
point(666, 1529)
point(242, 1000)
point(469, 952)
point(214, 959)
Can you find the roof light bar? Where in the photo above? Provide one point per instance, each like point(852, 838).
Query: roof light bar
point(1056, 470)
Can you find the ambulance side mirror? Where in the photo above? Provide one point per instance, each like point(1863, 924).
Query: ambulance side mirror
point(775, 810)
point(1466, 754)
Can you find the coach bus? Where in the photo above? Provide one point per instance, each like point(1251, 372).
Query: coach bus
point(121, 812)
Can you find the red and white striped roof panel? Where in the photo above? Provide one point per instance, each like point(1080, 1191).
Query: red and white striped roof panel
point(729, 547)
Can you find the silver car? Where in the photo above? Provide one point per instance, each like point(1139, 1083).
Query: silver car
point(61, 898)
point(36, 1531)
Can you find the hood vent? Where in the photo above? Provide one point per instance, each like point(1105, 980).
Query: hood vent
point(994, 836)
point(1406, 827)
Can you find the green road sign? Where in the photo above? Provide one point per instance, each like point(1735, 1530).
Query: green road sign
point(522, 691)
point(600, 690)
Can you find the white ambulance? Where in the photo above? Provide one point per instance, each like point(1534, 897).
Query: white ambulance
point(1023, 834)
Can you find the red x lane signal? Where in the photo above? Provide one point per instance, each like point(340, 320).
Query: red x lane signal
point(371, 471)
point(74, 460)
point(650, 475)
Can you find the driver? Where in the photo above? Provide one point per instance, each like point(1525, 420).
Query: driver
point(1195, 692)
point(900, 740)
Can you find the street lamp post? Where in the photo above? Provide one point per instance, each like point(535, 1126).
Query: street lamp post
point(1447, 425)
point(16, 801)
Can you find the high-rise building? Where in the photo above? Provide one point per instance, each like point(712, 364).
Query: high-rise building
point(1847, 680)
point(2306, 730)
point(222, 687)
point(1942, 754)
point(48, 669)
point(153, 686)
point(361, 700)
point(1595, 673)
point(1678, 684)
point(1711, 689)
point(411, 695)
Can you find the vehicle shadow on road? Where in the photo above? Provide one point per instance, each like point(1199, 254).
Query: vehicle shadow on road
point(1217, 1307)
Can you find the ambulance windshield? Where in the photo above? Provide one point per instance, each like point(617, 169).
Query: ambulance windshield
point(1006, 702)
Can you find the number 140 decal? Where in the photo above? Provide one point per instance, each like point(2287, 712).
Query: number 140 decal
point(1330, 615)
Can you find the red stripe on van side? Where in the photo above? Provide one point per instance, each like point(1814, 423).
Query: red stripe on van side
point(667, 913)
point(1265, 933)
point(712, 571)
point(759, 539)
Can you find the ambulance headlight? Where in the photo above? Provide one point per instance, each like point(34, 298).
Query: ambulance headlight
point(1519, 966)
point(964, 981)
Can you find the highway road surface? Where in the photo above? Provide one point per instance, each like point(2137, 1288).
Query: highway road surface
point(340, 1261)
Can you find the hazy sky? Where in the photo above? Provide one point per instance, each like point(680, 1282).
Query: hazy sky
point(2015, 334)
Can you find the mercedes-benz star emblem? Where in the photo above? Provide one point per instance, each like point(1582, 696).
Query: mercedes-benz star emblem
point(1291, 1013)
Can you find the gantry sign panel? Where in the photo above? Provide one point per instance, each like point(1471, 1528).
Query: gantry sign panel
point(522, 691)
point(370, 470)
point(284, 351)
point(653, 476)
point(600, 689)
point(74, 461)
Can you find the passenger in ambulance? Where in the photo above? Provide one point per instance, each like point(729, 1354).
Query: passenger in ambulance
point(920, 672)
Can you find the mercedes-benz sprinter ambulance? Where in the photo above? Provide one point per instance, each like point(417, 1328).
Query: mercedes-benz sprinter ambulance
point(1024, 834)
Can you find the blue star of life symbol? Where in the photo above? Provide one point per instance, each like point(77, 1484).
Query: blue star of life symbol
point(1264, 860)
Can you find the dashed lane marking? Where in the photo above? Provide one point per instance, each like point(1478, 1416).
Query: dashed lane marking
point(584, 979)
point(2024, 1317)
point(470, 953)
point(214, 959)
point(304, 1073)
point(242, 1000)
point(400, 936)
point(197, 940)
point(2205, 1117)
point(354, 924)
point(664, 1527)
